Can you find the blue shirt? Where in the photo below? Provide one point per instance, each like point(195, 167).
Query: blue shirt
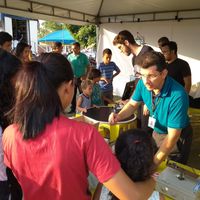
point(107, 72)
point(171, 105)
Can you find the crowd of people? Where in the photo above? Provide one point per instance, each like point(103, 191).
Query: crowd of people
point(44, 154)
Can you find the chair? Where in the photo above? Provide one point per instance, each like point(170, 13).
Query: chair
point(128, 91)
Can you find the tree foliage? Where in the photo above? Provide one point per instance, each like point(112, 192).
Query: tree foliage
point(86, 35)
point(48, 27)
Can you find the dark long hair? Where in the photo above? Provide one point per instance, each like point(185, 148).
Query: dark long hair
point(37, 100)
point(9, 66)
point(135, 150)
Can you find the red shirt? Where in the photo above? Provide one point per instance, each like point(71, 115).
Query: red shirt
point(55, 164)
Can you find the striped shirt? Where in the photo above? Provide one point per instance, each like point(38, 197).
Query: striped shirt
point(107, 72)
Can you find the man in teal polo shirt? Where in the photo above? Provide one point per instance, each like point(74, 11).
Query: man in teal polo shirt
point(80, 65)
point(167, 102)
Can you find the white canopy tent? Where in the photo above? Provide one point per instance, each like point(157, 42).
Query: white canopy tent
point(102, 11)
point(178, 20)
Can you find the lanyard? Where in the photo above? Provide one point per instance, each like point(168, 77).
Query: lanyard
point(154, 103)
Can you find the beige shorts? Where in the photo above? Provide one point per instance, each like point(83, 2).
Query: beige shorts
point(159, 139)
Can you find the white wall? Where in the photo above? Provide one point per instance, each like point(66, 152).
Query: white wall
point(8, 25)
point(186, 33)
point(33, 25)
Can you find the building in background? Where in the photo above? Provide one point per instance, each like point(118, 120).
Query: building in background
point(22, 29)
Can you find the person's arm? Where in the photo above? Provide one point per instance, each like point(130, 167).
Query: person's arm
point(188, 83)
point(116, 68)
point(116, 73)
point(104, 79)
point(145, 110)
point(97, 193)
point(89, 66)
point(78, 105)
point(126, 111)
point(104, 165)
point(88, 69)
point(167, 145)
point(125, 189)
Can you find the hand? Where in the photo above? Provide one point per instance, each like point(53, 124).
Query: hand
point(145, 110)
point(95, 106)
point(105, 79)
point(124, 102)
point(109, 81)
point(84, 110)
point(113, 118)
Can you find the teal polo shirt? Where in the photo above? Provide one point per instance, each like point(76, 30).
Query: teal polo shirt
point(79, 64)
point(171, 105)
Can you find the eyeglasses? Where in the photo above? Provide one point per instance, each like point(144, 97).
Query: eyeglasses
point(148, 76)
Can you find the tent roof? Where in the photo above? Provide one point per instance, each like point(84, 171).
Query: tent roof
point(102, 11)
point(63, 36)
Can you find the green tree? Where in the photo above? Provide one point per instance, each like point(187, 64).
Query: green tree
point(86, 35)
point(48, 27)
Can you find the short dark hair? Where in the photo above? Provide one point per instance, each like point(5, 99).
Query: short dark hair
point(5, 37)
point(107, 51)
point(20, 48)
point(122, 36)
point(163, 40)
point(135, 150)
point(37, 100)
point(151, 58)
point(56, 45)
point(9, 66)
point(172, 46)
point(76, 44)
point(94, 73)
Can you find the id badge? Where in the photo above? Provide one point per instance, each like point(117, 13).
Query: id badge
point(151, 122)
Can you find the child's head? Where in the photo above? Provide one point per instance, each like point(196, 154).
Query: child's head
point(135, 150)
point(94, 75)
point(86, 86)
point(5, 41)
point(23, 51)
point(57, 47)
point(107, 55)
